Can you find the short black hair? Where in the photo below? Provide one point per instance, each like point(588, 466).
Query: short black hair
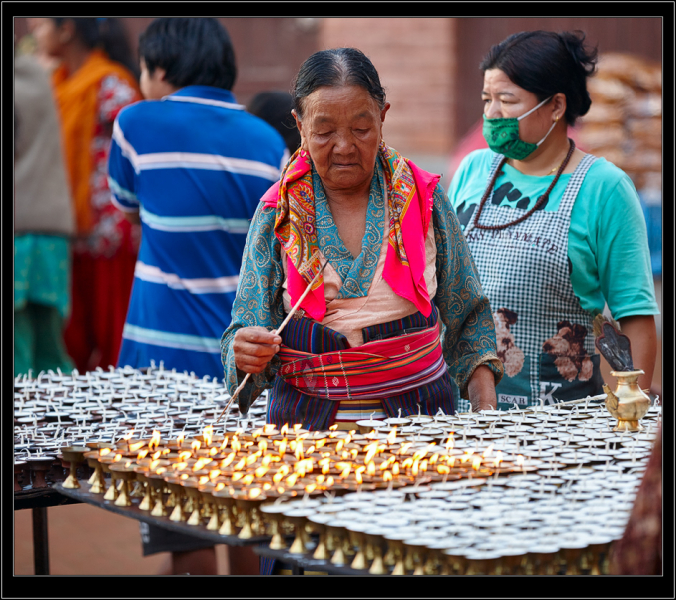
point(275, 108)
point(191, 50)
point(547, 63)
point(333, 68)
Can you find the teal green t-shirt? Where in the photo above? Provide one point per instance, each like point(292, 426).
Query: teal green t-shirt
point(609, 259)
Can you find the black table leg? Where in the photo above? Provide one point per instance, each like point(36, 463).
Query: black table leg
point(40, 541)
point(296, 570)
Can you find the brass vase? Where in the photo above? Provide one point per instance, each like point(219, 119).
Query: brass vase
point(628, 404)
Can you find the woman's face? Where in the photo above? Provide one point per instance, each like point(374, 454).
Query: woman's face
point(503, 99)
point(341, 129)
point(48, 36)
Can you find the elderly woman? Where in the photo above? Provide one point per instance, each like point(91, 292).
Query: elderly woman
point(398, 309)
point(556, 233)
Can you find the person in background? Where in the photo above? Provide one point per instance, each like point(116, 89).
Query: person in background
point(275, 108)
point(91, 85)
point(555, 233)
point(190, 164)
point(43, 224)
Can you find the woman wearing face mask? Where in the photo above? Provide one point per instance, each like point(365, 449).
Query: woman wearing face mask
point(556, 233)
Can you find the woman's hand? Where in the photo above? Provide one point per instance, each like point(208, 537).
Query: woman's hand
point(254, 347)
point(640, 330)
point(481, 389)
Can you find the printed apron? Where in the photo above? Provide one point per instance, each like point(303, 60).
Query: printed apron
point(544, 337)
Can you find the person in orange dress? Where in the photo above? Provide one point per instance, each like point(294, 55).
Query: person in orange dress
point(93, 81)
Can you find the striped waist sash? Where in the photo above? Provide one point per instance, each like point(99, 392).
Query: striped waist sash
point(377, 369)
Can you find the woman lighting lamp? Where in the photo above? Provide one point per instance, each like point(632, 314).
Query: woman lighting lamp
point(555, 233)
point(397, 312)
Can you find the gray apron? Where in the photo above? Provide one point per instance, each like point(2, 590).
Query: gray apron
point(545, 338)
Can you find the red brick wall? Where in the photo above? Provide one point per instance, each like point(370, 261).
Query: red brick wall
point(415, 62)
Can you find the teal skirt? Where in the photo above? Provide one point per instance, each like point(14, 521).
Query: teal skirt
point(42, 266)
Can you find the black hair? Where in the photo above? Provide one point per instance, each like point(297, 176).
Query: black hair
point(547, 63)
point(275, 109)
point(108, 34)
point(191, 50)
point(333, 68)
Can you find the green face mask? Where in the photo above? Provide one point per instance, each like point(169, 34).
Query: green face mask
point(502, 136)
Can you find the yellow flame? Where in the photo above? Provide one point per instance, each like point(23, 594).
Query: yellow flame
point(252, 458)
point(208, 434)
point(182, 456)
point(488, 451)
point(414, 467)
point(196, 445)
point(282, 447)
point(156, 455)
point(260, 471)
point(450, 444)
point(228, 459)
point(117, 458)
point(263, 446)
point(339, 445)
point(153, 464)
point(268, 428)
point(280, 490)
point(203, 479)
point(155, 439)
point(451, 460)
point(235, 444)
point(392, 436)
point(423, 465)
point(184, 476)
point(329, 481)
point(267, 486)
point(136, 446)
point(127, 437)
point(224, 443)
point(434, 458)
point(443, 469)
point(248, 479)
point(180, 438)
point(127, 464)
point(387, 476)
point(498, 458)
point(240, 465)
point(213, 451)
point(237, 476)
point(404, 447)
point(465, 457)
point(311, 487)
point(267, 459)
point(214, 473)
point(219, 486)
point(520, 460)
point(371, 468)
point(395, 468)
point(104, 451)
point(476, 463)
point(285, 429)
point(200, 462)
point(291, 479)
point(320, 443)
point(255, 492)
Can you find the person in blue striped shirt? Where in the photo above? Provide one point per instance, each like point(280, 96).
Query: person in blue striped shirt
point(190, 164)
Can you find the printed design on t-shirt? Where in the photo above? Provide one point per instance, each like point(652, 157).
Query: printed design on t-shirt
point(567, 347)
point(514, 196)
point(508, 352)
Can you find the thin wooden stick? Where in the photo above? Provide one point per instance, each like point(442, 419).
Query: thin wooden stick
point(278, 331)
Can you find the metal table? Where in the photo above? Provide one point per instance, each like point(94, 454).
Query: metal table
point(38, 500)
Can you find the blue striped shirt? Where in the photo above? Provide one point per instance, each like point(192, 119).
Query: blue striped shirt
point(194, 166)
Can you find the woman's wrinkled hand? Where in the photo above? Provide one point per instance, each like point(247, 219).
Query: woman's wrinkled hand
point(254, 347)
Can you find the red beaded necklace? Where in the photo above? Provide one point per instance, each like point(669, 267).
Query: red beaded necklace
point(540, 202)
